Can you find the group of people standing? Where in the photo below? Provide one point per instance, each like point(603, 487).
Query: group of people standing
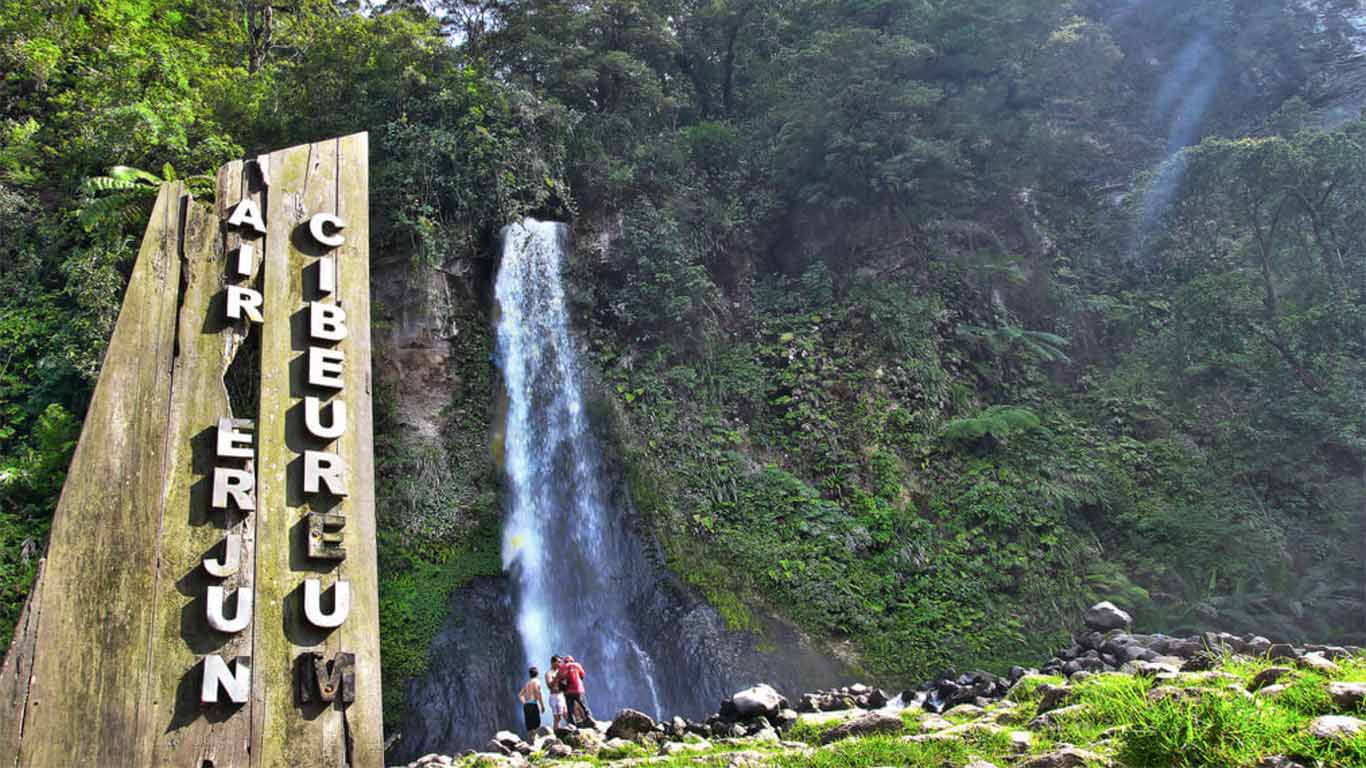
point(564, 681)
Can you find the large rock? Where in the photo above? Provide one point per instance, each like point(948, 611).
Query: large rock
point(1347, 695)
point(631, 725)
point(1107, 616)
point(873, 722)
point(1336, 727)
point(759, 701)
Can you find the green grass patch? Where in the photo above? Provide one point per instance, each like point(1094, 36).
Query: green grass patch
point(1228, 730)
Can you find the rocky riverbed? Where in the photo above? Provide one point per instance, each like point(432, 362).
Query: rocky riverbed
point(1112, 698)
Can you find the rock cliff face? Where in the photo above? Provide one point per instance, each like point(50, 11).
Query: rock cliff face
point(1335, 39)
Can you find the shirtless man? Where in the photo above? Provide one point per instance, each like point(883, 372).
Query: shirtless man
point(532, 702)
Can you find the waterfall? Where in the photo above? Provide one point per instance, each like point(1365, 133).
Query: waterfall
point(564, 546)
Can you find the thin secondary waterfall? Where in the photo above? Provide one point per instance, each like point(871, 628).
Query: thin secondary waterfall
point(564, 546)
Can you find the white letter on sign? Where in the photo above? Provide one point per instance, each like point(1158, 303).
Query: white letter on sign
point(320, 223)
point(327, 467)
point(240, 620)
point(232, 557)
point(232, 443)
point(326, 321)
point(244, 299)
point(325, 367)
point(246, 259)
point(249, 214)
point(313, 418)
point(239, 483)
point(313, 604)
point(236, 685)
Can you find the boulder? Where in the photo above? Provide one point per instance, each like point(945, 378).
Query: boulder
point(1020, 741)
point(497, 747)
point(864, 725)
point(631, 725)
point(1106, 616)
point(758, 701)
point(1267, 677)
point(1336, 727)
point(1347, 695)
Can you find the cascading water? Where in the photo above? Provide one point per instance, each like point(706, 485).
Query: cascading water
point(564, 546)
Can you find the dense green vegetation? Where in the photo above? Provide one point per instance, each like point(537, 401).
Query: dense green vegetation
point(921, 330)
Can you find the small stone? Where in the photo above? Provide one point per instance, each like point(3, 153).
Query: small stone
point(558, 750)
point(1347, 695)
point(1106, 616)
point(1066, 757)
point(1052, 696)
point(1278, 761)
point(1271, 691)
point(980, 764)
point(1020, 741)
point(934, 723)
point(964, 710)
point(870, 723)
point(679, 747)
point(1318, 663)
point(1050, 719)
point(1267, 677)
point(1336, 727)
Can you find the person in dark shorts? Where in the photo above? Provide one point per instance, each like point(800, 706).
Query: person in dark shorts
point(533, 704)
point(571, 678)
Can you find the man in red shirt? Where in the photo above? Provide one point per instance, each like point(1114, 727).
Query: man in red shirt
point(571, 677)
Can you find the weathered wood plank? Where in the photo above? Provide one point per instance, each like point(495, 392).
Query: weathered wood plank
point(103, 544)
point(305, 181)
point(17, 672)
point(360, 633)
point(184, 731)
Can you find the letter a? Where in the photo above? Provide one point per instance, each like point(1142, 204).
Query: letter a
point(248, 213)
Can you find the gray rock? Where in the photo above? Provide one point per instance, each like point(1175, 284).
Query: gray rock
point(1052, 696)
point(864, 725)
point(1267, 677)
point(1347, 695)
point(631, 725)
point(558, 750)
point(1336, 727)
point(1106, 616)
point(758, 701)
point(1050, 719)
point(1066, 756)
point(681, 747)
point(1318, 663)
point(1282, 652)
point(1278, 761)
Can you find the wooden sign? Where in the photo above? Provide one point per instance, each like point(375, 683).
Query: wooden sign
point(209, 598)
